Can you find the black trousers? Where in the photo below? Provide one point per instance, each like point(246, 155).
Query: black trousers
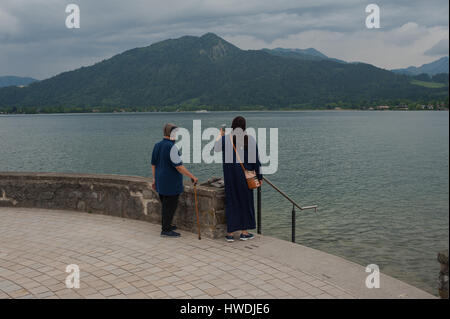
point(169, 205)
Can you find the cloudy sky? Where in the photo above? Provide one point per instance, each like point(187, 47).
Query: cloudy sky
point(34, 40)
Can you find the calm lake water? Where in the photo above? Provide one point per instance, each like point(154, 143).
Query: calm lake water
point(381, 179)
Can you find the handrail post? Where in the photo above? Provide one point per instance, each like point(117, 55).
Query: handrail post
point(293, 223)
point(294, 204)
point(258, 210)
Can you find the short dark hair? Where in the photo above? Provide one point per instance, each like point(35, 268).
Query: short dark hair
point(168, 128)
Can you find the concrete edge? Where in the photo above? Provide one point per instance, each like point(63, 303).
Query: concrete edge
point(336, 270)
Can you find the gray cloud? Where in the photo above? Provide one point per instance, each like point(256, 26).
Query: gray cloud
point(440, 48)
point(35, 42)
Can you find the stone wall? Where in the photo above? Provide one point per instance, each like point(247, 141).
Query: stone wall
point(116, 195)
point(443, 274)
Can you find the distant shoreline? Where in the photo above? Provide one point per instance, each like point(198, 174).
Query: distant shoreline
point(244, 111)
point(230, 111)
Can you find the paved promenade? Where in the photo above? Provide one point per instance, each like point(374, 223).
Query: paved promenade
point(123, 258)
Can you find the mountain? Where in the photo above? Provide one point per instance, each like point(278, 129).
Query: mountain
point(15, 80)
point(209, 71)
point(439, 66)
point(303, 54)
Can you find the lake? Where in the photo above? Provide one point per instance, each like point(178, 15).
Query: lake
point(381, 179)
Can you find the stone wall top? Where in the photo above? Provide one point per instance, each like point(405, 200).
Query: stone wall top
point(117, 195)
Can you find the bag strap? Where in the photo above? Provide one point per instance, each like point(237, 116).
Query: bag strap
point(237, 155)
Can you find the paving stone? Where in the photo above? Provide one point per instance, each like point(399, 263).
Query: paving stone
point(123, 258)
point(19, 293)
point(129, 290)
point(213, 291)
point(109, 292)
point(177, 293)
point(194, 292)
point(324, 296)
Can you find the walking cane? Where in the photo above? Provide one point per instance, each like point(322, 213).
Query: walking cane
point(196, 210)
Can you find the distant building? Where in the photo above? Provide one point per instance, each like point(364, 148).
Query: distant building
point(402, 107)
point(428, 107)
point(383, 107)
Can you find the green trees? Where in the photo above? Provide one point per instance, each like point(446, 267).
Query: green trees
point(193, 73)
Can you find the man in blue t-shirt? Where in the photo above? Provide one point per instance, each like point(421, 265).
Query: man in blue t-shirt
point(168, 171)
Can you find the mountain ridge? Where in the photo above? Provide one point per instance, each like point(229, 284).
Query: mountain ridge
point(305, 54)
point(11, 80)
point(207, 70)
point(440, 65)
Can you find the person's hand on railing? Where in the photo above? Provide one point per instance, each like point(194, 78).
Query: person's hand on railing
point(194, 180)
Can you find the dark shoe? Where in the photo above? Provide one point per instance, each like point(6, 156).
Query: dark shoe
point(229, 238)
point(173, 227)
point(170, 234)
point(245, 237)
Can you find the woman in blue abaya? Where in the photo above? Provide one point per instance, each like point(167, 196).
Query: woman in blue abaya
point(240, 211)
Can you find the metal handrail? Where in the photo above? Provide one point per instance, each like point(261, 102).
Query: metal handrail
point(288, 198)
point(294, 204)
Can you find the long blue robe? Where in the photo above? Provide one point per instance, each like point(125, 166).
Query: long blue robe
point(239, 210)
